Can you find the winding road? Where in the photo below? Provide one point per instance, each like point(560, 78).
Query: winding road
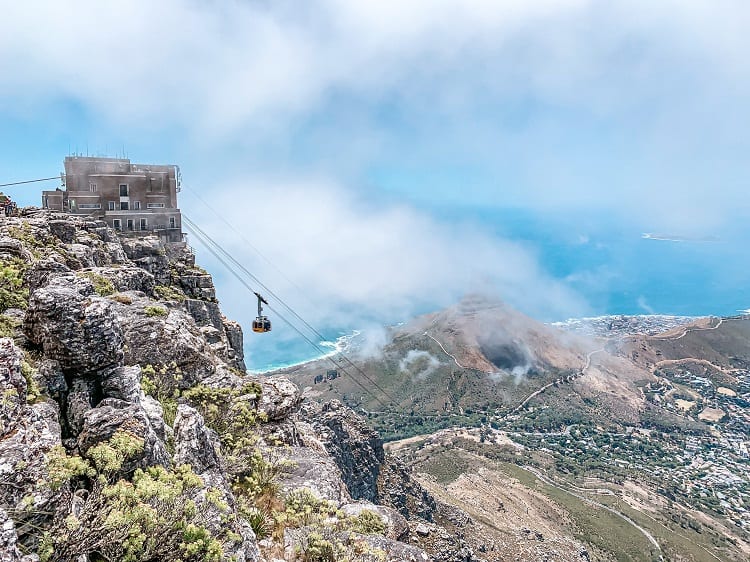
point(622, 516)
point(445, 351)
point(556, 381)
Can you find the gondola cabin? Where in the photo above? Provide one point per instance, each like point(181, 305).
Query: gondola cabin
point(261, 324)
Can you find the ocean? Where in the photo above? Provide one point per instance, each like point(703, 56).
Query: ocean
point(617, 268)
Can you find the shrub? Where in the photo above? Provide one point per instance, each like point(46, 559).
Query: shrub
point(33, 392)
point(150, 517)
point(8, 326)
point(368, 523)
point(13, 294)
point(124, 299)
point(164, 385)
point(152, 311)
point(316, 548)
point(260, 521)
point(103, 286)
point(167, 293)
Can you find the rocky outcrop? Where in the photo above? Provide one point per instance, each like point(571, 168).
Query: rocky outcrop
point(195, 444)
point(108, 321)
point(356, 449)
point(112, 416)
point(73, 327)
point(12, 387)
point(397, 488)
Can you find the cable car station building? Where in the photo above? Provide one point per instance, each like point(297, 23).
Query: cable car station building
point(131, 198)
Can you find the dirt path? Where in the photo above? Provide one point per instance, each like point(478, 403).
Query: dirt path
point(556, 382)
point(687, 330)
point(622, 516)
point(445, 351)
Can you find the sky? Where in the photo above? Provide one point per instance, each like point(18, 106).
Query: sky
point(377, 154)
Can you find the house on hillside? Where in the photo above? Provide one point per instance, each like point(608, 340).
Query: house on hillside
point(132, 198)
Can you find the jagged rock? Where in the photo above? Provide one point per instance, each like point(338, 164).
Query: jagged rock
point(279, 398)
point(82, 396)
point(64, 230)
point(198, 446)
point(155, 413)
point(356, 448)
point(79, 331)
point(127, 278)
point(316, 471)
point(195, 444)
point(422, 529)
point(8, 539)
point(233, 331)
point(12, 248)
point(397, 527)
point(149, 254)
point(111, 415)
point(12, 386)
point(157, 335)
point(398, 489)
point(395, 551)
point(123, 383)
point(23, 467)
point(53, 377)
point(40, 272)
point(224, 335)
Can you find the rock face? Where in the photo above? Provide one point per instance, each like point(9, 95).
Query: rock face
point(74, 328)
point(357, 449)
point(120, 361)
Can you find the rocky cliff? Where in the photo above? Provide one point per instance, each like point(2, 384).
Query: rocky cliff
point(129, 429)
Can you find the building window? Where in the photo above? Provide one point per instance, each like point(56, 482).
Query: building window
point(123, 190)
point(155, 205)
point(144, 224)
point(111, 205)
point(172, 222)
point(136, 205)
point(116, 224)
point(92, 187)
point(131, 224)
point(90, 206)
point(124, 205)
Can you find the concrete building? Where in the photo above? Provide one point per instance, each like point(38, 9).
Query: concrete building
point(131, 198)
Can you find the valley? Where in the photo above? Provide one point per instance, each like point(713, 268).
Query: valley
point(626, 442)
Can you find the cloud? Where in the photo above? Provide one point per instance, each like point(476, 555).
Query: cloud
point(346, 257)
point(334, 112)
point(420, 363)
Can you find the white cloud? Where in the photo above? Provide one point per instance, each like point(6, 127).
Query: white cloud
point(353, 260)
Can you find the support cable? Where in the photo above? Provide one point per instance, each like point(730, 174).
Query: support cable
point(207, 244)
point(29, 181)
point(229, 225)
point(320, 336)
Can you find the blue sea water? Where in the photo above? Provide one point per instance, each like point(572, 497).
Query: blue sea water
point(612, 266)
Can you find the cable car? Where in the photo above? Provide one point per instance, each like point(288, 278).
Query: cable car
point(261, 324)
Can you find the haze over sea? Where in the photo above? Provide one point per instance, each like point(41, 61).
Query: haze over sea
point(613, 267)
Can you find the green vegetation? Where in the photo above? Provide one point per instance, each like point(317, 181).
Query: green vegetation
point(164, 385)
point(13, 293)
point(368, 523)
point(148, 517)
point(593, 525)
point(168, 293)
point(8, 326)
point(155, 311)
point(102, 286)
point(33, 392)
